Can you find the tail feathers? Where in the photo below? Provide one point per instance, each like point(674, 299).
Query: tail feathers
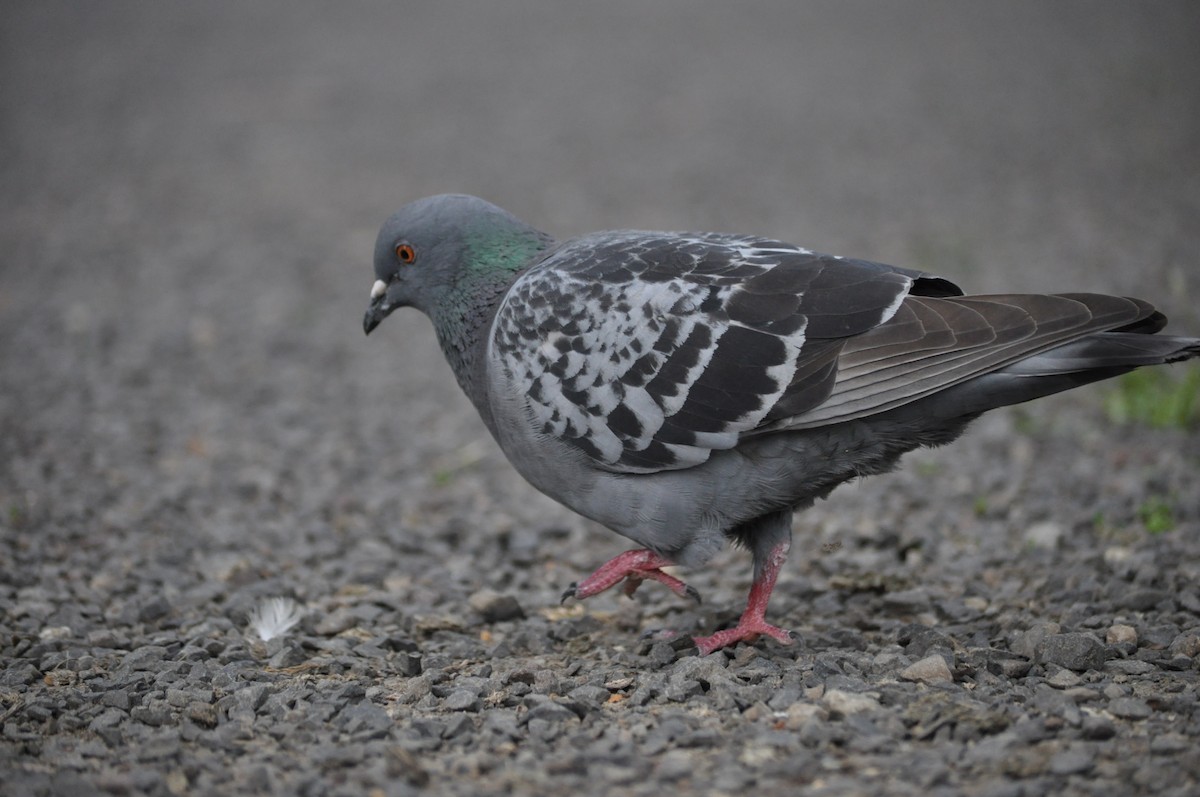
point(1105, 350)
point(1099, 356)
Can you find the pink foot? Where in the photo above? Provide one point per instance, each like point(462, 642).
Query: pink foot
point(752, 622)
point(632, 567)
point(747, 630)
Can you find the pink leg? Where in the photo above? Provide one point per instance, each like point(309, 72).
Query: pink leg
point(753, 622)
point(631, 567)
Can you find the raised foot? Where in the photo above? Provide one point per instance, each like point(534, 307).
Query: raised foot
point(747, 630)
point(632, 567)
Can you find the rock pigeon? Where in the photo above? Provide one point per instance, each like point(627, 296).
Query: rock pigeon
point(689, 389)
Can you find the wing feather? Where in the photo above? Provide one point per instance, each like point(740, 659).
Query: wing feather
point(652, 350)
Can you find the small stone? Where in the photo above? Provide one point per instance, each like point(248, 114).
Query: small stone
point(366, 720)
point(930, 670)
point(680, 689)
point(251, 697)
point(784, 697)
point(1141, 600)
point(800, 713)
point(495, 607)
point(408, 664)
point(290, 655)
point(178, 698)
point(1026, 643)
point(337, 621)
point(661, 653)
point(593, 696)
point(1159, 637)
point(155, 714)
point(1170, 744)
point(147, 657)
point(908, 600)
point(814, 733)
point(1008, 666)
point(1129, 708)
point(550, 711)
point(1075, 651)
point(1186, 644)
point(1113, 691)
point(117, 698)
point(155, 609)
point(54, 632)
point(203, 714)
point(1117, 555)
point(107, 719)
point(918, 640)
point(1129, 666)
point(1045, 535)
point(1081, 694)
point(1119, 634)
point(459, 725)
point(675, 765)
point(1000, 788)
point(1064, 679)
point(1097, 728)
point(1072, 761)
point(847, 703)
point(461, 700)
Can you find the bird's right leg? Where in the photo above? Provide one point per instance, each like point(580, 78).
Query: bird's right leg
point(632, 567)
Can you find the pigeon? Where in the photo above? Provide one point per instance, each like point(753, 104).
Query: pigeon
point(686, 390)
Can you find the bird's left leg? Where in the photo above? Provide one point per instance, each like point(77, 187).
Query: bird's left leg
point(770, 538)
point(632, 567)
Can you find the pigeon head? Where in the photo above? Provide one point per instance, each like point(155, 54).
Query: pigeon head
point(443, 254)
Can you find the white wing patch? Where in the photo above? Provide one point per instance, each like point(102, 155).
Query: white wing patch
point(648, 351)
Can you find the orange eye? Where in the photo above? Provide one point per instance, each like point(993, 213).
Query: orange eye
point(405, 253)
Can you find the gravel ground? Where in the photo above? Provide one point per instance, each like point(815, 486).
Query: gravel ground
point(192, 421)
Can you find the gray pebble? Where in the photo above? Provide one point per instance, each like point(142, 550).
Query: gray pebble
point(931, 670)
point(1072, 761)
point(117, 698)
point(365, 721)
point(495, 607)
point(1075, 651)
point(680, 689)
point(1130, 708)
point(1171, 744)
point(341, 619)
point(408, 664)
point(549, 711)
point(146, 657)
point(1129, 666)
point(251, 697)
point(1097, 728)
point(1026, 643)
point(290, 655)
point(1141, 600)
point(593, 696)
point(462, 700)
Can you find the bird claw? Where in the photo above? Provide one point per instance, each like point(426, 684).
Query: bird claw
point(568, 593)
point(630, 569)
point(747, 630)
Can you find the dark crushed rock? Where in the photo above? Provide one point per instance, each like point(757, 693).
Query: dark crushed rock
point(1074, 651)
point(191, 421)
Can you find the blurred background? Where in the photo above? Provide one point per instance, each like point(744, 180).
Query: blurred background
point(189, 194)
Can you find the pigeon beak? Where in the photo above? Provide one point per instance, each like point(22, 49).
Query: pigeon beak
point(379, 308)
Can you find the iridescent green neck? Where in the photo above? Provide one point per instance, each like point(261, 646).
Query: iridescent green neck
point(491, 252)
point(492, 257)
